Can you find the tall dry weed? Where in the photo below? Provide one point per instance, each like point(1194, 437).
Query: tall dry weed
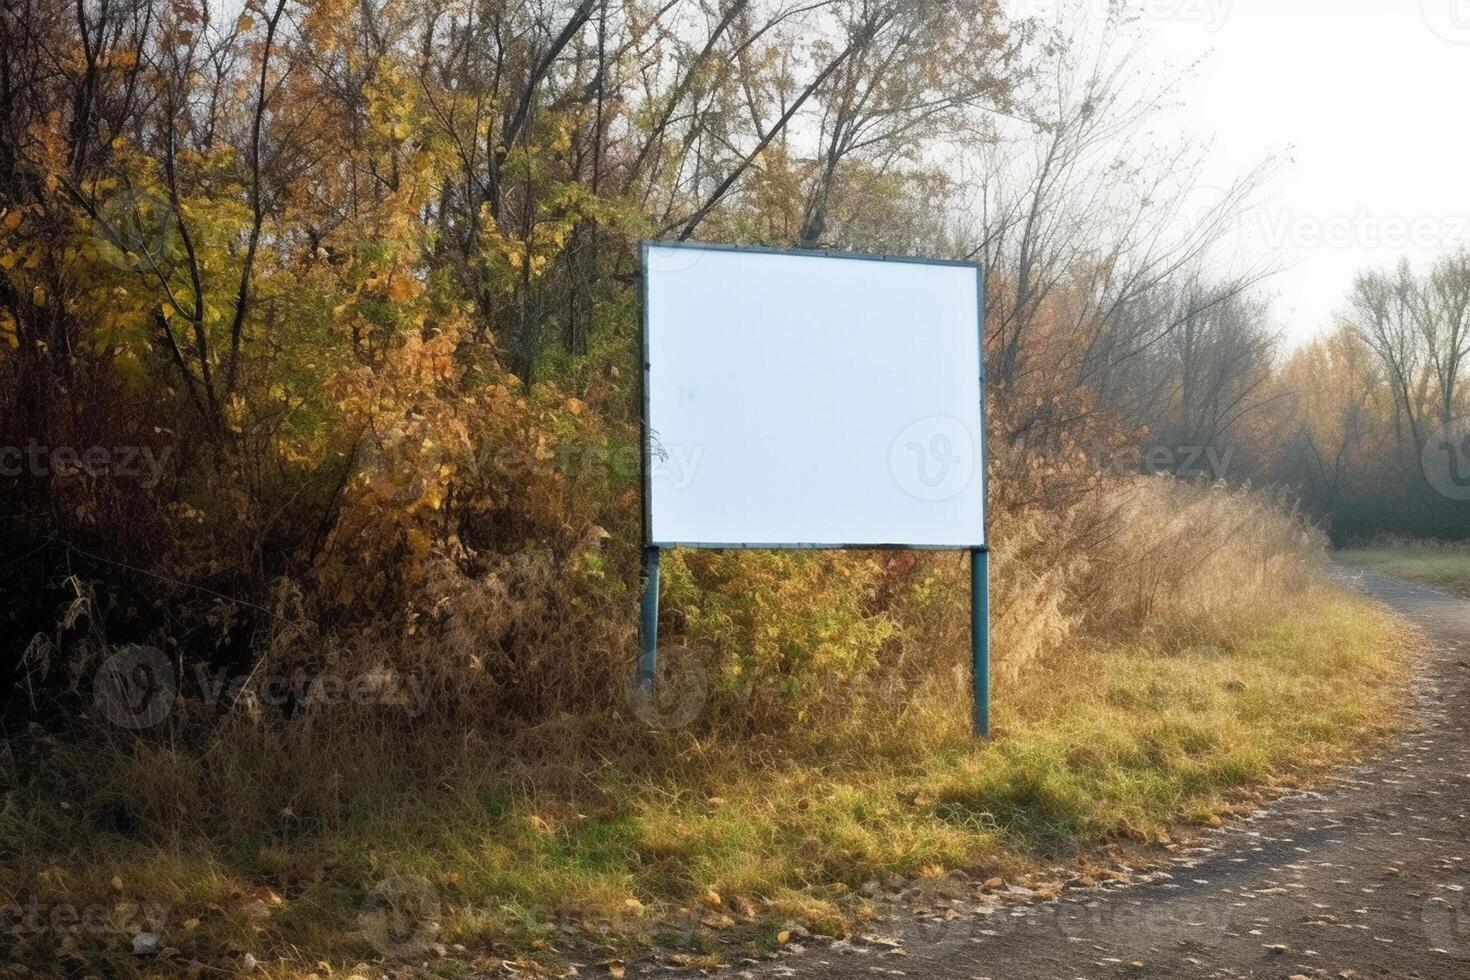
point(1196, 563)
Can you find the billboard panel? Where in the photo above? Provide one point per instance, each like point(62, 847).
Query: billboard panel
point(806, 399)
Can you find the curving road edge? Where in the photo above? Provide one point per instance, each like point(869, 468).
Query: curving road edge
point(1365, 878)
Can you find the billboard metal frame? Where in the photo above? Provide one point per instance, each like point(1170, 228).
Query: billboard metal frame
point(979, 556)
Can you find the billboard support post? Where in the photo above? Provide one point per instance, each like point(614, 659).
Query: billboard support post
point(648, 634)
point(980, 637)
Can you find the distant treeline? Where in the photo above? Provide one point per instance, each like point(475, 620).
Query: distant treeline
point(1373, 432)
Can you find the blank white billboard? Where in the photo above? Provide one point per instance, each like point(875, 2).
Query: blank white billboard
point(803, 399)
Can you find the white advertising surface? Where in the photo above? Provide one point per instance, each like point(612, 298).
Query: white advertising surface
point(800, 399)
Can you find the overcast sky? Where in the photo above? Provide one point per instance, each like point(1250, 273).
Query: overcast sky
point(1364, 104)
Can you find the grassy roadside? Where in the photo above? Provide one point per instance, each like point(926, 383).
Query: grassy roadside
point(1446, 566)
point(708, 848)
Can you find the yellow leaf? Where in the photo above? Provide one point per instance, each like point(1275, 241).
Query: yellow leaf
point(402, 288)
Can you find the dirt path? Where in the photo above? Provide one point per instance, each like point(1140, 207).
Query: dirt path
point(1366, 878)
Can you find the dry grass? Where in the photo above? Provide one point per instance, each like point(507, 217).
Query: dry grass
point(1438, 563)
point(1189, 655)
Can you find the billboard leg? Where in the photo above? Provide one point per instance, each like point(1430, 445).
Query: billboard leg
point(980, 637)
point(648, 633)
